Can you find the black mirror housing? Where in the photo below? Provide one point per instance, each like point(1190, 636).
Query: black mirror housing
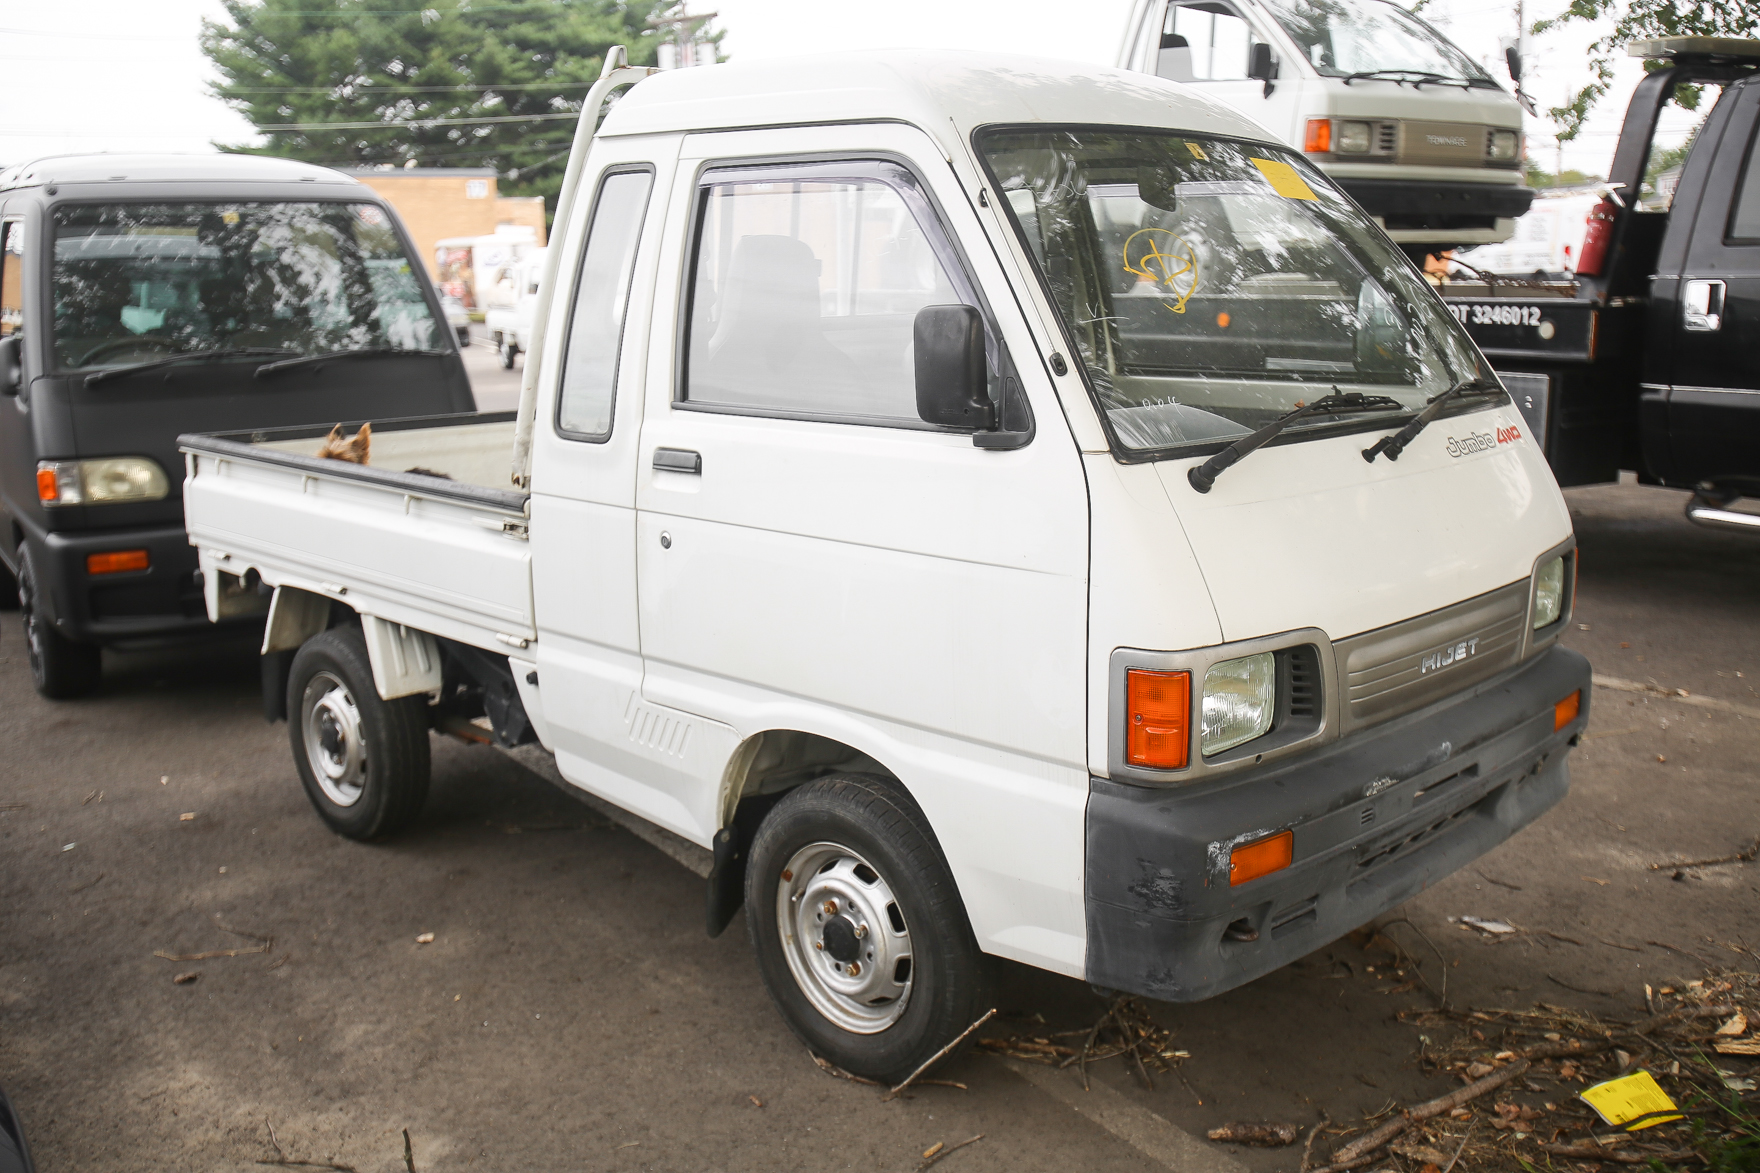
point(1512, 57)
point(1260, 67)
point(950, 367)
point(11, 364)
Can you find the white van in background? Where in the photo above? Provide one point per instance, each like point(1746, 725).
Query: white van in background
point(1548, 240)
point(508, 317)
point(1399, 117)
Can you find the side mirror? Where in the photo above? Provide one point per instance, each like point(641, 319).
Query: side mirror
point(1513, 58)
point(11, 364)
point(1260, 66)
point(949, 351)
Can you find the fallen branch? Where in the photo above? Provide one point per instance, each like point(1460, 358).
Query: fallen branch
point(1364, 1145)
point(951, 1148)
point(1747, 856)
point(210, 954)
point(1308, 1145)
point(833, 1069)
point(939, 1055)
point(409, 1155)
point(307, 1164)
point(1594, 1152)
point(1461, 1148)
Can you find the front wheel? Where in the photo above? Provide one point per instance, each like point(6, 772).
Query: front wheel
point(60, 668)
point(363, 760)
point(859, 930)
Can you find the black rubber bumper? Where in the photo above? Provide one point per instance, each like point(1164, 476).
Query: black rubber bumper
point(161, 601)
point(1412, 197)
point(1377, 817)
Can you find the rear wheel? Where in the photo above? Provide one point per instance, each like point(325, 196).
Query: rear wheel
point(60, 668)
point(363, 760)
point(859, 930)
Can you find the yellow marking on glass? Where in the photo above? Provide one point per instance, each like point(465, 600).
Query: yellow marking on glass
point(1283, 179)
point(229, 217)
point(1197, 151)
point(1165, 261)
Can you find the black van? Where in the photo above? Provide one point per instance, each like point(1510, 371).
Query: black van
point(144, 296)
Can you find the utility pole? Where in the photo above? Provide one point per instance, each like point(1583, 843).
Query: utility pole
point(687, 47)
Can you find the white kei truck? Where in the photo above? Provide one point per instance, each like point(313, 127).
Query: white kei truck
point(874, 527)
point(1395, 113)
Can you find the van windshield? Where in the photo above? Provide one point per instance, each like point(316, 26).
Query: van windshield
point(1345, 38)
point(134, 282)
point(1211, 286)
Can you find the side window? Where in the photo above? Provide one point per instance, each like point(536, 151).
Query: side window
point(595, 324)
point(1744, 217)
point(11, 277)
point(1205, 41)
point(804, 293)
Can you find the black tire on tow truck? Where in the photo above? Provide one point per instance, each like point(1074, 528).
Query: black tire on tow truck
point(362, 759)
point(860, 932)
point(60, 668)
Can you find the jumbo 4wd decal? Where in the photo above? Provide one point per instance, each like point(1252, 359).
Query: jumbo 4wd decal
point(1481, 441)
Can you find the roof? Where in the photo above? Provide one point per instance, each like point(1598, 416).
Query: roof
point(167, 168)
point(426, 172)
point(922, 87)
point(1733, 49)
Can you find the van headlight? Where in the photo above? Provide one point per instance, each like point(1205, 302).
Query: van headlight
point(109, 481)
point(1352, 138)
point(1504, 144)
point(1549, 593)
point(1239, 699)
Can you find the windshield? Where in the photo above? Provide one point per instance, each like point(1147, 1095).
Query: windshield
point(1211, 286)
point(135, 282)
point(1345, 37)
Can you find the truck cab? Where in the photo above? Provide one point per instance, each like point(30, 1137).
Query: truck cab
point(1396, 114)
point(142, 296)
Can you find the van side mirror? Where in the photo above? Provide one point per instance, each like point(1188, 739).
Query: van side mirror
point(948, 345)
point(11, 364)
point(1513, 58)
point(1260, 66)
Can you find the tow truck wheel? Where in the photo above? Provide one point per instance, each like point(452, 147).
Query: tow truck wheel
point(859, 930)
point(60, 668)
point(363, 760)
point(507, 349)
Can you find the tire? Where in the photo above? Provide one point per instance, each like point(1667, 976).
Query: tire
point(464, 336)
point(9, 586)
point(364, 763)
point(508, 349)
point(60, 668)
point(849, 863)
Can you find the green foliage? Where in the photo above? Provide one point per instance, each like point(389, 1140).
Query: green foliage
point(416, 72)
point(1538, 177)
point(1641, 20)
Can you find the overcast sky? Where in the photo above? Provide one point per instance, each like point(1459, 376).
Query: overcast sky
point(122, 75)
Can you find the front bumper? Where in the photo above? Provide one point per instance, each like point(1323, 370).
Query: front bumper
point(162, 600)
point(1377, 818)
point(1423, 204)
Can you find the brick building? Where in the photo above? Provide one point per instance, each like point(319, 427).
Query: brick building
point(438, 203)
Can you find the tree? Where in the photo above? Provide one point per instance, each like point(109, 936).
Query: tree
point(1639, 21)
point(439, 82)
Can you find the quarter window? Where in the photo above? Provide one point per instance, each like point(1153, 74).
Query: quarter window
point(595, 328)
point(1744, 220)
point(11, 277)
point(804, 291)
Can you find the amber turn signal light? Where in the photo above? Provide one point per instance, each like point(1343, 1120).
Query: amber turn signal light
point(48, 487)
point(1565, 711)
point(116, 561)
point(1318, 140)
point(1158, 711)
point(1261, 857)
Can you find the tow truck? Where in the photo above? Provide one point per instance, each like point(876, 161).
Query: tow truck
point(1646, 358)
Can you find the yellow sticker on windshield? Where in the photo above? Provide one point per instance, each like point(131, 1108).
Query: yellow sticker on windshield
point(1283, 179)
point(1197, 151)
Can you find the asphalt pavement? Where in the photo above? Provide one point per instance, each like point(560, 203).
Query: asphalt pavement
point(569, 1012)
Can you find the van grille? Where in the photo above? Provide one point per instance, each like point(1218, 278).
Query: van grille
point(1406, 666)
point(1386, 138)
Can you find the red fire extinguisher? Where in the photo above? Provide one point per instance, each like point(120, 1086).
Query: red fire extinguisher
point(1597, 237)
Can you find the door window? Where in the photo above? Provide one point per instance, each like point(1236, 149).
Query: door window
point(804, 292)
point(595, 327)
point(1744, 218)
point(1206, 41)
point(11, 277)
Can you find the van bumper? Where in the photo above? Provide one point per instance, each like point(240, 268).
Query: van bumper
point(1377, 817)
point(1426, 204)
point(161, 601)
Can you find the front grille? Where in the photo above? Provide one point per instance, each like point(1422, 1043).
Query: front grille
point(1406, 666)
point(1386, 138)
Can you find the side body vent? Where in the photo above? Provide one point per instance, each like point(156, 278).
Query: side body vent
point(1303, 671)
point(1386, 138)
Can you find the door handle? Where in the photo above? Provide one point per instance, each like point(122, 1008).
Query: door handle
point(678, 460)
point(1702, 306)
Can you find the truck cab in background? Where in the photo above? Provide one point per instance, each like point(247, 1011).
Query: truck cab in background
point(1392, 111)
point(143, 296)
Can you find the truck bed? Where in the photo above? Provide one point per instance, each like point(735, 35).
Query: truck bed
point(445, 553)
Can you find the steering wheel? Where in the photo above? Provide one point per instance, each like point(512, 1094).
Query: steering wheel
point(124, 344)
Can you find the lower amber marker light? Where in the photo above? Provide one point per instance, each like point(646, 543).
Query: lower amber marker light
point(1261, 857)
point(116, 561)
point(1565, 711)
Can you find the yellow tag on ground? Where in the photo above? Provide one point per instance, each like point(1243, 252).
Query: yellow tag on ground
point(1283, 179)
point(1197, 151)
point(1629, 1097)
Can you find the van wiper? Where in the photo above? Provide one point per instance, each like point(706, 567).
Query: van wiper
point(1204, 475)
point(306, 360)
point(1418, 77)
point(1395, 444)
point(188, 356)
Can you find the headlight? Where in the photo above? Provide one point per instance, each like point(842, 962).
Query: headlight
point(1549, 593)
point(1239, 697)
point(100, 482)
point(1352, 138)
point(1504, 144)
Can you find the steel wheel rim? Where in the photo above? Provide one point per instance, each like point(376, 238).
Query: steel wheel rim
point(336, 747)
point(845, 938)
point(33, 632)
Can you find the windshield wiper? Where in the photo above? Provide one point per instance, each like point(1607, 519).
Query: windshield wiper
point(188, 356)
point(1395, 444)
point(1418, 77)
point(1204, 475)
point(306, 360)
